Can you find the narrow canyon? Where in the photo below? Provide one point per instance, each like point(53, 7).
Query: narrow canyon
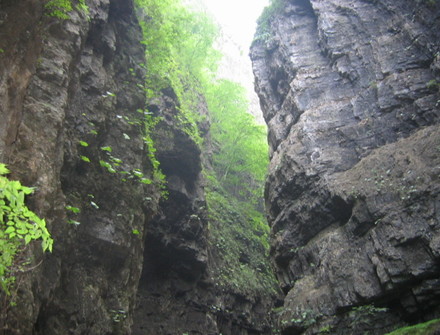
point(147, 242)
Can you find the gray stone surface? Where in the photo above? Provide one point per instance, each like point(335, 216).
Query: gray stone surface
point(177, 291)
point(132, 264)
point(55, 79)
point(350, 92)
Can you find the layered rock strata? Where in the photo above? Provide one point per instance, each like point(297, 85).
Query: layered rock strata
point(71, 103)
point(177, 290)
point(66, 93)
point(350, 92)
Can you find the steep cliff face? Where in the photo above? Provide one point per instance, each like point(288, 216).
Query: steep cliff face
point(350, 92)
point(179, 291)
point(125, 260)
point(176, 254)
point(63, 82)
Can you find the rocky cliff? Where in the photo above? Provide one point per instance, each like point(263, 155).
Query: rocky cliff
point(350, 92)
point(180, 290)
point(66, 93)
point(125, 260)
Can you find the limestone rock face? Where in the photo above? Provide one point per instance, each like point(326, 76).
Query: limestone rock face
point(71, 125)
point(171, 299)
point(68, 103)
point(350, 92)
point(177, 290)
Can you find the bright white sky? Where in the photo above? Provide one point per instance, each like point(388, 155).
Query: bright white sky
point(237, 17)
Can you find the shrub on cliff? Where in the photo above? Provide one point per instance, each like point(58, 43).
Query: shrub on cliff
point(18, 227)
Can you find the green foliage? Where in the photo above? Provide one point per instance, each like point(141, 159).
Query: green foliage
point(369, 309)
point(241, 156)
point(365, 313)
point(263, 22)
point(304, 319)
point(179, 53)
point(74, 210)
point(118, 315)
point(180, 56)
point(61, 8)
point(325, 330)
point(427, 328)
point(238, 229)
point(107, 148)
point(239, 236)
point(18, 227)
point(432, 84)
point(150, 123)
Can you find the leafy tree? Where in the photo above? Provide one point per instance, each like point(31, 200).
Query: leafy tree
point(241, 158)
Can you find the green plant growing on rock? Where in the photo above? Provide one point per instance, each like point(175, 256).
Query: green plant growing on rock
point(19, 226)
point(427, 328)
point(433, 84)
point(61, 8)
point(363, 313)
point(118, 315)
point(325, 330)
point(305, 318)
point(263, 28)
point(158, 176)
point(239, 236)
point(179, 54)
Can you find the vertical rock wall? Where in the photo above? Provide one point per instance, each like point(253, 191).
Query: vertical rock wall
point(350, 92)
point(62, 82)
point(177, 290)
point(70, 95)
point(173, 293)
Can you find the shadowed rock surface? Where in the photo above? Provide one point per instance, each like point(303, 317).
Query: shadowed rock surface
point(349, 90)
point(63, 82)
point(127, 263)
point(178, 291)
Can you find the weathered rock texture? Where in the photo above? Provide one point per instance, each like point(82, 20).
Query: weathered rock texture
point(177, 291)
point(349, 90)
point(62, 82)
point(70, 95)
point(176, 255)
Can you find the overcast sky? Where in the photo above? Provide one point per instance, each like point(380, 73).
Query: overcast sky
point(237, 17)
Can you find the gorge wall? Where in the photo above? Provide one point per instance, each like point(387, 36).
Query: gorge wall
point(63, 83)
point(350, 92)
point(126, 258)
